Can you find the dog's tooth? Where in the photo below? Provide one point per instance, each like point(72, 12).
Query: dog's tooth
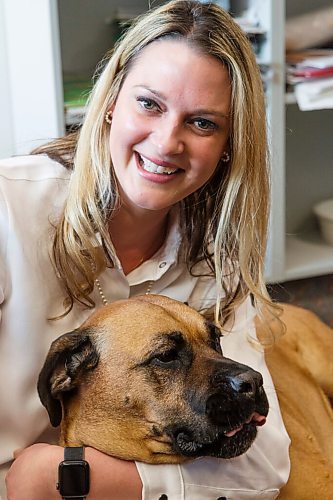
point(234, 431)
point(258, 419)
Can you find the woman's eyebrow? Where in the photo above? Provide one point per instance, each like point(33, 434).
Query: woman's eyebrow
point(199, 111)
point(207, 111)
point(155, 92)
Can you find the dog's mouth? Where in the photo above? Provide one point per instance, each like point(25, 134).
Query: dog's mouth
point(256, 419)
point(218, 442)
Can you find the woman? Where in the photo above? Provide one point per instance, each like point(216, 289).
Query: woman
point(163, 190)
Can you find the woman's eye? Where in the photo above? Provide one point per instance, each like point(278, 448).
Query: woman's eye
point(147, 103)
point(203, 124)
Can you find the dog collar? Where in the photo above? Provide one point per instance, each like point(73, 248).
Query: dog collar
point(73, 474)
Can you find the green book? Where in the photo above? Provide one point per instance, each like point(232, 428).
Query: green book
point(76, 91)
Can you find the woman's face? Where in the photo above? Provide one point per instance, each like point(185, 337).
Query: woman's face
point(170, 124)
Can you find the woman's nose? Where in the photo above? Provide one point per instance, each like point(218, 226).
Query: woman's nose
point(168, 138)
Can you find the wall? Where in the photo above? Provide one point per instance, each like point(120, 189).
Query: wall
point(296, 7)
point(309, 167)
point(86, 31)
point(31, 91)
point(6, 133)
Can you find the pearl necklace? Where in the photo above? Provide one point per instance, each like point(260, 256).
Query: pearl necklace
point(104, 299)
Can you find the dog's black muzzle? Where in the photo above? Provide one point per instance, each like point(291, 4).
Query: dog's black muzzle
point(235, 406)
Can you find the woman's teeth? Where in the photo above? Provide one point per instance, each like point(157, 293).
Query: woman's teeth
point(150, 166)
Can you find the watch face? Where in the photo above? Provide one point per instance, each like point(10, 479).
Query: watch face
point(74, 478)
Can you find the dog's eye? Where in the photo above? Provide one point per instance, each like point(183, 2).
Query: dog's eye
point(165, 358)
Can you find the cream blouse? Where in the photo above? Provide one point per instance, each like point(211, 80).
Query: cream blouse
point(32, 192)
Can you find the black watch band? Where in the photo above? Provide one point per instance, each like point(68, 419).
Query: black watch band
point(73, 475)
point(74, 453)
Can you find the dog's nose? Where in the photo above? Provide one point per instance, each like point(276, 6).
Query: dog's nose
point(246, 383)
point(242, 382)
point(235, 392)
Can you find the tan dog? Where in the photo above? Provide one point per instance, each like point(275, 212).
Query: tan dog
point(301, 365)
point(134, 354)
point(145, 379)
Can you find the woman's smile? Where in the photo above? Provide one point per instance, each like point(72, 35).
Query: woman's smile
point(156, 171)
point(170, 125)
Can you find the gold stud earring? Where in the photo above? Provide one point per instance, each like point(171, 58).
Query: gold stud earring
point(108, 117)
point(225, 157)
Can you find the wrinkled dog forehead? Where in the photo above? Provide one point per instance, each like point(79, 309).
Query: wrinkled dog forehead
point(142, 319)
point(134, 328)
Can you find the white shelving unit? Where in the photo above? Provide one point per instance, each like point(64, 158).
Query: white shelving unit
point(50, 37)
point(307, 258)
point(308, 177)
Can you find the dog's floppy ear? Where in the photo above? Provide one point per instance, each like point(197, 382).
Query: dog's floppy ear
point(69, 356)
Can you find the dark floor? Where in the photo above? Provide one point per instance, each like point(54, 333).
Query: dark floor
point(315, 294)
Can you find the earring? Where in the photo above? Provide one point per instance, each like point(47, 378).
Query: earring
point(108, 117)
point(225, 157)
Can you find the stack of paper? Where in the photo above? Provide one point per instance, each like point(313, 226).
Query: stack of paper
point(312, 79)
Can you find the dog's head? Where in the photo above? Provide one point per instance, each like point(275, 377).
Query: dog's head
point(145, 379)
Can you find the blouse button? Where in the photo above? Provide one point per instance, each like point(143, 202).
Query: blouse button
point(163, 497)
point(221, 498)
point(162, 264)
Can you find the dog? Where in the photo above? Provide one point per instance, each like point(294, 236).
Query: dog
point(301, 365)
point(145, 379)
point(136, 380)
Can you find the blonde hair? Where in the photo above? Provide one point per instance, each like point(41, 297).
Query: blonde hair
point(232, 206)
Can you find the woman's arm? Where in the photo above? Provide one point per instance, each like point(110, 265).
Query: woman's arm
point(33, 475)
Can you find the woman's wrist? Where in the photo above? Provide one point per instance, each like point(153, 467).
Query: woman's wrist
point(53, 456)
point(34, 475)
point(108, 475)
point(111, 477)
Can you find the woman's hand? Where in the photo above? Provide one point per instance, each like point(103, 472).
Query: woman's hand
point(34, 474)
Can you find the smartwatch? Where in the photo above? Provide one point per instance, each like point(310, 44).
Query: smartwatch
point(73, 474)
